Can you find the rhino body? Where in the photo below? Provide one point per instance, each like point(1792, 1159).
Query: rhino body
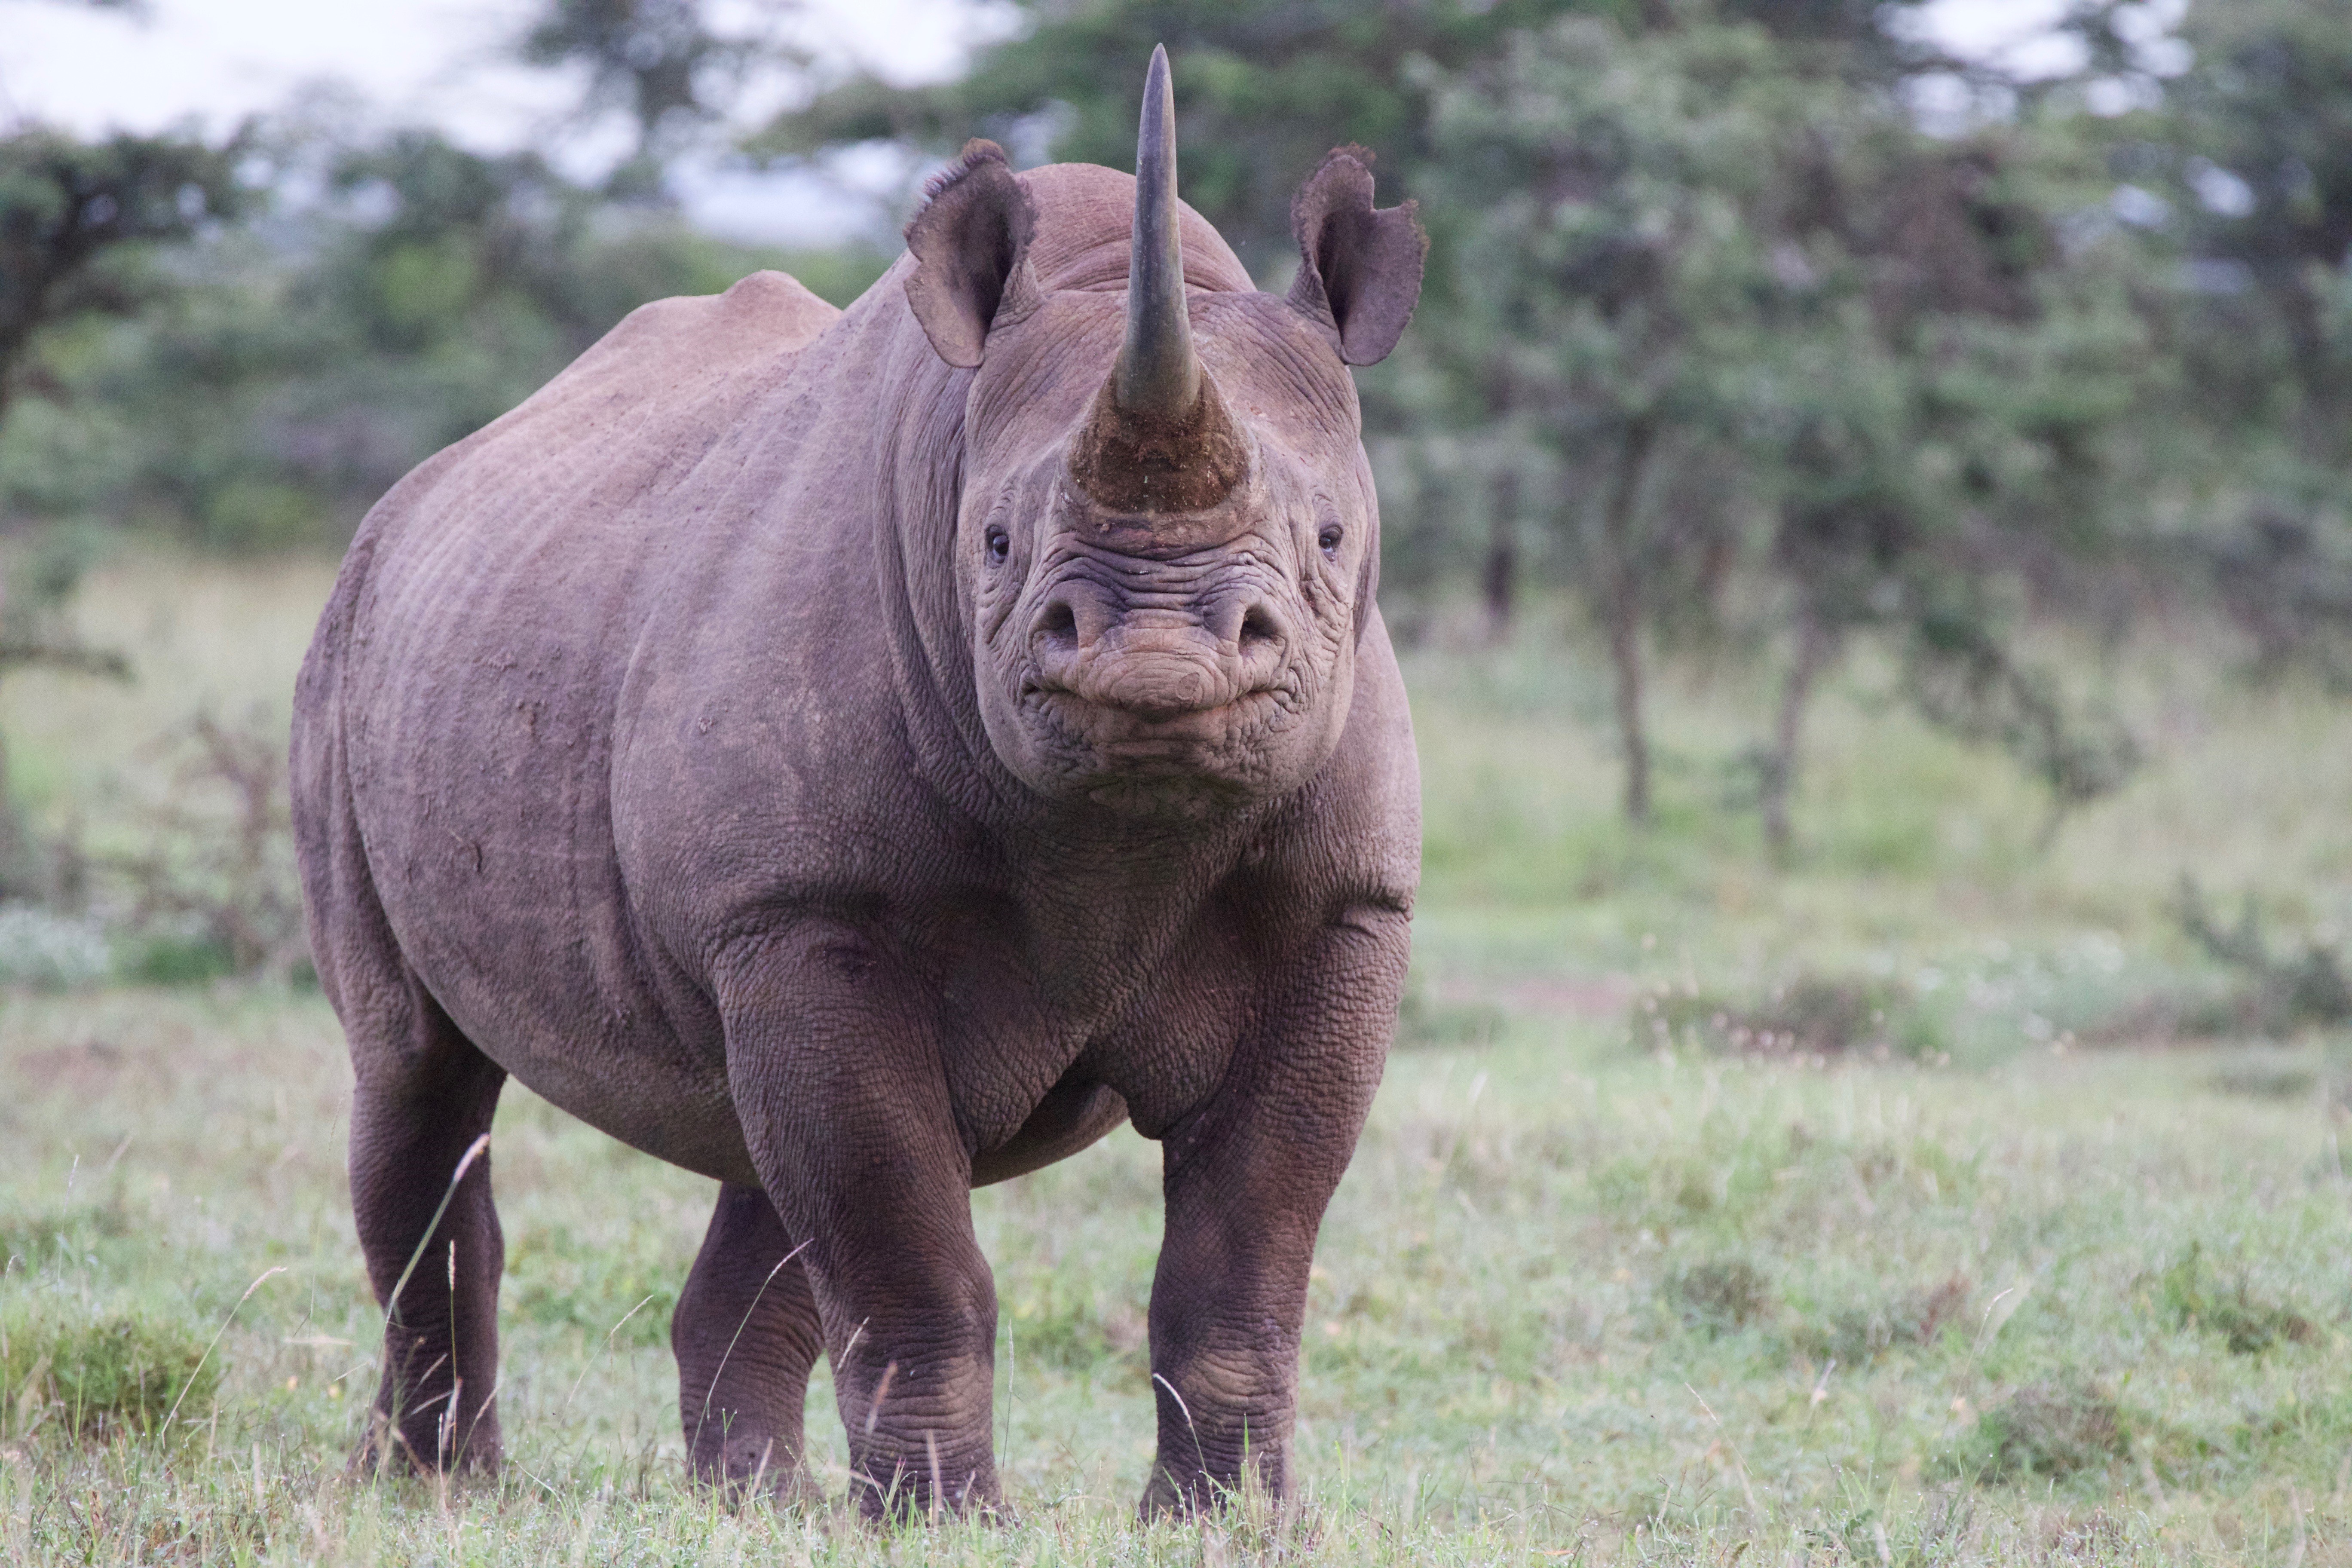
point(760, 745)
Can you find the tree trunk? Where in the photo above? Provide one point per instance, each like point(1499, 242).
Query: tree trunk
point(1814, 646)
point(1499, 582)
point(1624, 612)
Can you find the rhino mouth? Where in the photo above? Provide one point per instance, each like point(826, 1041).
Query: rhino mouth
point(1120, 729)
point(1220, 742)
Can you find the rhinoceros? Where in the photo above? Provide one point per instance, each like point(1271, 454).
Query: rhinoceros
point(860, 755)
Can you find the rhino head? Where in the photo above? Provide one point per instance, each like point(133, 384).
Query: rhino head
point(1167, 543)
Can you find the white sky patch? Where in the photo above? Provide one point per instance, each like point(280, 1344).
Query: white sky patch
point(217, 61)
point(210, 63)
point(2016, 36)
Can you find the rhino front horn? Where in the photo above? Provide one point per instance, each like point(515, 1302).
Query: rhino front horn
point(1158, 373)
point(1158, 437)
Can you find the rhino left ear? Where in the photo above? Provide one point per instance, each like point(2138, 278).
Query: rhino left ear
point(971, 245)
point(1359, 269)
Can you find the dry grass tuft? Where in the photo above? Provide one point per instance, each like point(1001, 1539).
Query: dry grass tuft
point(1913, 1317)
point(2056, 1429)
point(2248, 1322)
point(1721, 1295)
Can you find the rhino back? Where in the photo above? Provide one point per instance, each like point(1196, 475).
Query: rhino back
point(460, 695)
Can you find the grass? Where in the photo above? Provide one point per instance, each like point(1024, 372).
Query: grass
point(1570, 1298)
point(1586, 1295)
point(97, 1374)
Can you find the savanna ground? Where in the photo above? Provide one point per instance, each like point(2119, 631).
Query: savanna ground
point(1868, 1210)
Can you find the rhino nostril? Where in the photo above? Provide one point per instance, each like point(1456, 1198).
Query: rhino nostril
point(1259, 626)
point(1057, 625)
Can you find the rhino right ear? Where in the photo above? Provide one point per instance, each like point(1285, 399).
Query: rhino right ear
point(1359, 269)
point(971, 245)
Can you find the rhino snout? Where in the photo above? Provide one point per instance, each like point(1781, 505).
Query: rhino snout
point(1158, 664)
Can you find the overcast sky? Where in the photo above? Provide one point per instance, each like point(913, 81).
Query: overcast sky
point(437, 61)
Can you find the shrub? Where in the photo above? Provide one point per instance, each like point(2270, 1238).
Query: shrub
point(614, 1288)
point(1059, 1323)
point(157, 957)
point(214, 890)
point(27, 1237)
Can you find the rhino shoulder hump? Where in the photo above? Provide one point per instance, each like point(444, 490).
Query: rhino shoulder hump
point(765, 314)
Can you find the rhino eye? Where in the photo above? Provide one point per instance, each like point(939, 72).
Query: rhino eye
point(1329, 539)
point(998, 544)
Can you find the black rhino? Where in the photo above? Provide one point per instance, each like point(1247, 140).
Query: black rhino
point(861, 755)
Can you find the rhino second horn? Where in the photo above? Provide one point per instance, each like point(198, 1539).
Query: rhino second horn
point(1160, 439)
point(1158, 373)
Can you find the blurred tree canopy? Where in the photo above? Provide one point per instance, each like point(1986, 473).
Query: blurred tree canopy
point(662, 62)
point(79, 228)
point(1747, 327)
point(1266, 89)
point(281, 373)
point(77, 219)
point(2251, 150)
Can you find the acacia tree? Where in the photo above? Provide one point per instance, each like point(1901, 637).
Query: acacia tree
point(1606, 288)
point(1708, 252)
point(1951, 435)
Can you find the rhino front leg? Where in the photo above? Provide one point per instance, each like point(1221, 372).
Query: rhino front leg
point(746, 1335)
point(1247, 1178)
point(837, 1078)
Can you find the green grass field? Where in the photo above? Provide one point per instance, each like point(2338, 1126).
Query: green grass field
point(2025, 1286)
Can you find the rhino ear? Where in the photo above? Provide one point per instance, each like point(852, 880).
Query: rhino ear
point(971, 245)
point(1359, 269)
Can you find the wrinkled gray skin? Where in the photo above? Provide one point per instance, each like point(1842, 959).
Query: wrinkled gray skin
point(681, 745)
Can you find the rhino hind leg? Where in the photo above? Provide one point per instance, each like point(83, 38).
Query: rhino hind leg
point(425, 1096)
point(746, 1335)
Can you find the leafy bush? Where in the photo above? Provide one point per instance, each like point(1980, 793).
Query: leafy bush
point(2277, 1073)
point(99, 1375)
point(214, 890)
point(602, 1287)
point(165, 957)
